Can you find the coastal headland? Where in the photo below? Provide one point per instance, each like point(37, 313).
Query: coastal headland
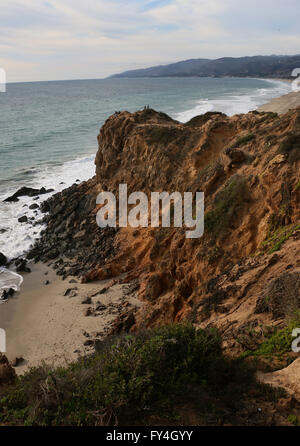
point(242, 277)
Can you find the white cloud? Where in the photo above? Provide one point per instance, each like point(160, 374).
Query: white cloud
point(61, 39)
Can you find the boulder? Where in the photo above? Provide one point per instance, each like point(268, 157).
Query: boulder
point(23, 219)
point(27, 192)
point(3, 259)
point(22, 267)
point(34, 206)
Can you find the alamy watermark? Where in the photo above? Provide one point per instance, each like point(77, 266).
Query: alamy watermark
point(2, 341)
point(142, 214)
point(296, 342)
point(2, 80)
point(296, 82)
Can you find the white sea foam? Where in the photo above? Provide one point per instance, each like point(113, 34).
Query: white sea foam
point(9, 279)
point(19, 237)
point(232, 104)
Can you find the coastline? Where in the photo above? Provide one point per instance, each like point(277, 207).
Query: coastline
point(44, 325)
point(282, 104)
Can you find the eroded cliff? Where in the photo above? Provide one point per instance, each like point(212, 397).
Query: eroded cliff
point(248, 168)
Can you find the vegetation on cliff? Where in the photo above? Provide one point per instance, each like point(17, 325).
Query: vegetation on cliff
point(241, 277)
point(139, 378)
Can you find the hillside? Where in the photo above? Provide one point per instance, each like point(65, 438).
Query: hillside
point(216, 310)
point(256, 66)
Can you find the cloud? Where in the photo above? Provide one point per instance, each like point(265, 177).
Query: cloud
point(63, 39)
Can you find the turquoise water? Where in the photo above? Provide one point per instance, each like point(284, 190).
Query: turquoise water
point(49, 129)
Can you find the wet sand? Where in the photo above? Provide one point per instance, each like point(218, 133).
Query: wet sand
point(44, 325)
point(282, 104)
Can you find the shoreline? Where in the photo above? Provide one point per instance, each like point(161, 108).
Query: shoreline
point(282, 104)
point(44, 325)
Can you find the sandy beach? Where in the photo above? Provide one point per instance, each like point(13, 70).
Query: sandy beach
point(282, 104)
point(44, 324)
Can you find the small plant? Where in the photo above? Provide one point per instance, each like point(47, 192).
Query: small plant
point(226, 206)
point(274, 241)
point(278, 343)
point(293, 419)
point(243, 140)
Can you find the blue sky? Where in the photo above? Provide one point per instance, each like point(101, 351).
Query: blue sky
point(73, 39)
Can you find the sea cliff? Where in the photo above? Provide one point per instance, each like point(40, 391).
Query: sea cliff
point(242, 278)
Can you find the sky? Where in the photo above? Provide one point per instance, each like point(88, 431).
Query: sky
point(88, 39)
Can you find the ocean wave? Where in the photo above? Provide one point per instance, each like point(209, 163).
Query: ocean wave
point(8, 280)
point(17, 238)
point(236, 104)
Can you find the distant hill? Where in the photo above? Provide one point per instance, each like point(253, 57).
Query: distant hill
point(256, 66)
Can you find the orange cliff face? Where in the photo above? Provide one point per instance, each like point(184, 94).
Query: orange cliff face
point(248, 168)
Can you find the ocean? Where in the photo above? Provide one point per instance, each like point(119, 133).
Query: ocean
point(49, 131)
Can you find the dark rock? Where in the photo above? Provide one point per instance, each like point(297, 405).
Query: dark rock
point(123, 323)
point(87, 301)
point(23, 219)
point(88, 343)
point(29, 192)
point(7, 293)
point(101, 307)
point(34, 206)
point(73, 281)
point(46, 282)
point(22, 267)
point(17, 361)
point(88, 311)
point(7, 373)
point(3, 259)
point(71, 292)
point(237, 156)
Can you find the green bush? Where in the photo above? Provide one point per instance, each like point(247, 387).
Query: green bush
point(226, 206)
point(277, 238)
point(120, 381)
point(243, 140)
point(278, 343)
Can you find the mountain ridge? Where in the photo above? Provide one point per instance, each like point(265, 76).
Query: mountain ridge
point(248, 66)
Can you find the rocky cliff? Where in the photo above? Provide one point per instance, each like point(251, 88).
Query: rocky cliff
point(243, 274)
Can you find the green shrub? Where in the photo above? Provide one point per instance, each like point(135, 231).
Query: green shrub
point(278, 343)
point(226, 206)
point(276, 239)
point(243, 140)
point(120, 381)
point(293, 419)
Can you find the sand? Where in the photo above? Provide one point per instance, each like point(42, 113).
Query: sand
point(282, 104)
point(44, 325)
